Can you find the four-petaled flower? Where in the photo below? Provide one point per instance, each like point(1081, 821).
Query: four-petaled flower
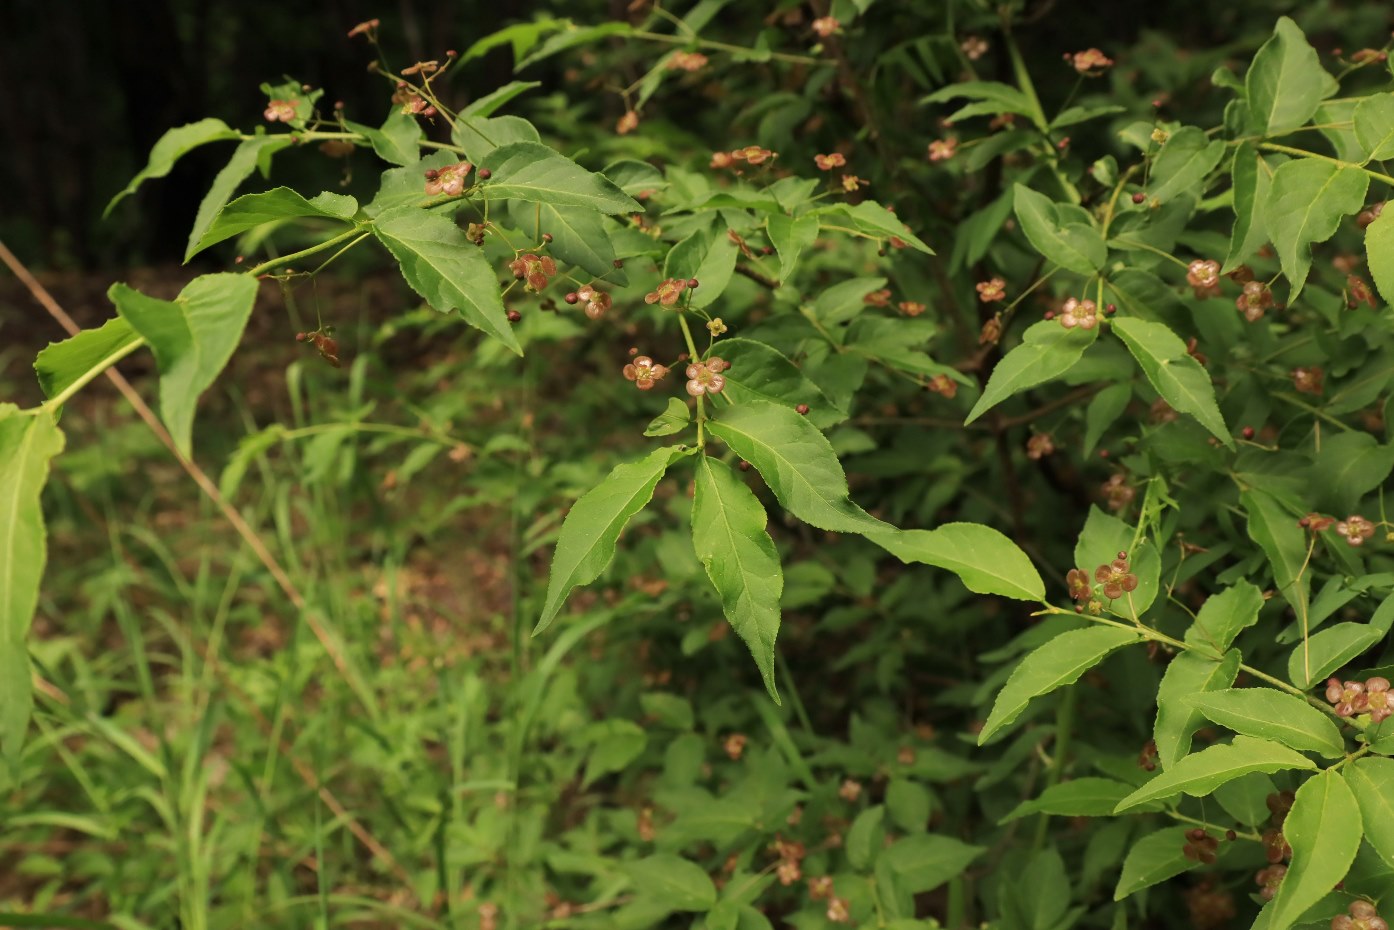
point(667, 292)
point(943, 149)
point(1078, 581)
point(364, 28)
point(449, 180)
point(1348, 697)
point(1204, 276)
point(422, 67)
point(825, 26)
point(1356, 529)
point(1377, 699)
point(829, 162)
point(911, 307)
point(687, 61)
point(413, 104)
point(851, 182)
point(850, 790)
point(820, 888)
point(705, 377)
point(974, 47)
point(881, 298)
point(1362, 916)
point(1039, 446)
point(597, 302)
point(992, 290)
point(716, 326)
point(721, 160)
point(1091, 62)
point(536, 269)
point(1317, 522)
point(753, 154)
point(839, 911)
point(1081, 313)
point(1116, 577)
point(644, 372)
point(627, 123)
point(1358, 292)
point(1308, 380)
point(1253, 300)
point(943, 384)
point(280, 111)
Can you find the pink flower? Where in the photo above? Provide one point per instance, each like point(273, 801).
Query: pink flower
point(705, 377)
point(280, 111)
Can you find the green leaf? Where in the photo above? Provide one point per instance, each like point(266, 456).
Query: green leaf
point(586, 545)
point(845, 300)
point(493, 101)
point(1202, 772)
point(617, 743)
point(1073, 246)
point(397, 142)
point(1328, 650)
point(1103, 411)
point(797, 462)
point(1058, 663)
point(908, 803)
point(1286, 82)
point(533, 172)
point(571, 36)
point(1324, 830)
point(923, 862)
point(1273, 715)
point(578, 235)
point(400, 187)
point(1251, 178)
point(673, 881)
point(480, 137)
point(865, 836)
point(1305, 205)
point(728, 532)
point(446, 269)
point(672, 420)
point(277, 204)
point(248, 155)
point(1048, 351)
point(1348, 466)
point(1186, 159)
point(1224, 616)
point(987, 561)
point(172, 146)
point(761, 372)
point(192, 337)
point(1004, 97)
point(63, 363)
point(1188, 674)
point(1379, 251)
point(790, 238)
point(1152, 859)
point(708, 256)
point(28, 440)
point(1177, 376)
point(1369, 779)
point(1374, 126)
point(1283, 541)
point(1079, 797)
point(872, 219)
point(1103, 537)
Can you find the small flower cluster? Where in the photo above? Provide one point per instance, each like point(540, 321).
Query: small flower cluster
point(791, 855)
point(734, 745)
point(750, 154)
point(1039, 446)
point(1118, 492)
point(667, 292)
point(825, 26)
point(942, 385)
point(449, 180)
point(1203, 275)
point(537, 270)
point(1200, 846)
point(705, 377)
point(1116, 577)
point(645, 372)
point(1353, 698)
point(1081, 313)
point(1362, 916)
point(596, 302)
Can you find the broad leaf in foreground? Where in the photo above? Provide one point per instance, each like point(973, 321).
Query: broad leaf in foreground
point(279, 203)
point(1201, 773)
point(728, 532)
point(1177, 376)
point(1286, 82)
point(1152, 859)
point(1306, 203)
point(586, 545)
point(760, 372)
point(1324, 830)
point(1369, 779)
point(1273, 715)
point(533, 172)
point(246, 158)
point(172, 146)
point(62, 363)
point(1071, 245)
point(1379, 251)
point(1048, 351)
point(1177, 721)
point(986, 560)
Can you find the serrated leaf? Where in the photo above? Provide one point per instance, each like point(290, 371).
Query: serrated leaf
point(871, 218)
point(1328, 650)
point(586, 545)
point(28, 441)
point(1152, 859)
point(1177, 376)
point(1058, 663)
point(1202, 772)
point(579, 237)
point(1374, 126)
point(479, 137)
point(1185, 160)
point(797, 462)
point(446, 269)
point(673, 882)
point(728, 532)
point(1348, 466)
point(1273, 715)
point(923, 862)
point(1073, 246)
point(246, 158)
point(710, 257)
point(1079, 797)
point(1324, 830)
point(1379, 252)
point(986, 560)
point(790, 237)
point(761, 372)
point(1286, 82)
point(397, 142)
point(1250, 179)
point(533, 172)
point(277, 204)
point(1047, 351)
point(1187, 674)
point(1100, 541)
point(1306, 203)
point(1283, 541)
point(172, 146)
point(1369, 780)
point(672, 420)
point(192, 336)
point(1224, 616)
point(63, 363)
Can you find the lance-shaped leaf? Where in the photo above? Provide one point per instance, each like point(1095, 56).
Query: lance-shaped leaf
point(798, 464)
point(986, 561)
point(1224, 616)
point(728, 532)
point(672, 420)
point(1379, 251)
point(1177, 376)
point(246, 158)
point(1306, 203)
point(1177, 721)
point(1273, 715)
point(1058, 663)
point(790, 237)
point(1152, 859)
point(673, 882)
point(761, 372)
point(1201, 773)
point(1324, 829)
point(586, 545)
point(192, 336)
point(1184, 161)
point(277, 204)
point(872, 219)
point(1328, 650)
point(28, 440)
point(1250, 177)
point(61, 364)
point(579, 237)
point(446, 269)
point(1048, 351)
point(1282, 540)
point(172, 146)
point(1078, 797)
point(1370, 780)
point(1075, 246)
point(531, 171)
point(1286, 82)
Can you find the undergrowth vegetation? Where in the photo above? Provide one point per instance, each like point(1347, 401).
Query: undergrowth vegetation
point(822, 464)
